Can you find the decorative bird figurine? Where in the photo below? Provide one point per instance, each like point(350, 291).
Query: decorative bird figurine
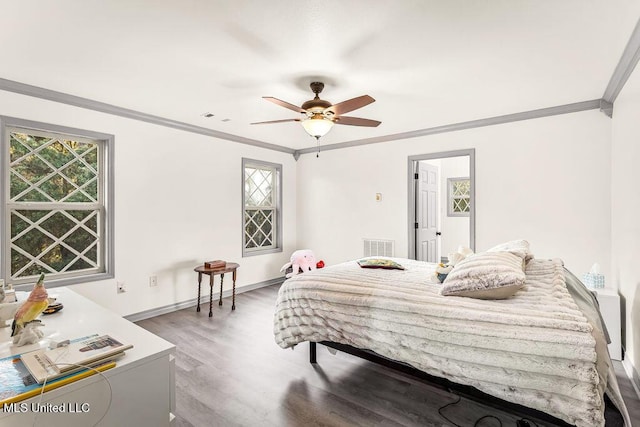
point(37, 302)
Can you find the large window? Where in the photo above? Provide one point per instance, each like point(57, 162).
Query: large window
point(57, 217)
point(261, 207)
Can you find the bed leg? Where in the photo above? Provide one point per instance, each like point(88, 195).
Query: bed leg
point(312, 352)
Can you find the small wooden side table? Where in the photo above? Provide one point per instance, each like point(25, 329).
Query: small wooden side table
point(231, 267)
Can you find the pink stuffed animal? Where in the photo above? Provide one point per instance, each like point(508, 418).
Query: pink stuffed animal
point(301, 260)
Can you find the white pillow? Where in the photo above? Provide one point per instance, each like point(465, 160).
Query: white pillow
point(488, 275)
point(516, 247)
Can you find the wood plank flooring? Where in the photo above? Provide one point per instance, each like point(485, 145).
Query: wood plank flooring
point(628, 394)
point(230, 372)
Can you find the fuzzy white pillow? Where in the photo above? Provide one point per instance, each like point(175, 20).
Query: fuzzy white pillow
point(488, 275)
point(516, 247)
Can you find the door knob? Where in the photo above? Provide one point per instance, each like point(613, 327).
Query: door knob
point(438, 233)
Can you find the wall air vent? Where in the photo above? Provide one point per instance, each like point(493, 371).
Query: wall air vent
point(376, 247)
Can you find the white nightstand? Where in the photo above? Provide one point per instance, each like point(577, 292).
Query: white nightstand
point(609, 301)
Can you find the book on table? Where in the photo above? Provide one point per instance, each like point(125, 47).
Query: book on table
point(57, 362)
point(216, 264)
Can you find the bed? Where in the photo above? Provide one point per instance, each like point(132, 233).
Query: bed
point(542, 348)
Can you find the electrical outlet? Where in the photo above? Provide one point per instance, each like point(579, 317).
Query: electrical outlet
point(153, 281)
point(121, 287)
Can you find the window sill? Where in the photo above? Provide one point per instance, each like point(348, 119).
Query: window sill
point(261, 252)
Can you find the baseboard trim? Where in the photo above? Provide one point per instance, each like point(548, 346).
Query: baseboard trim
point(147, 314)
point(632, 374)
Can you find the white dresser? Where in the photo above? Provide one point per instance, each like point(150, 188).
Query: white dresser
point(142, 385)
point(609, 301)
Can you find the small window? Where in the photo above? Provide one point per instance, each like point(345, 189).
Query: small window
point(55, 205)
point(261, 207)
point(458, 196)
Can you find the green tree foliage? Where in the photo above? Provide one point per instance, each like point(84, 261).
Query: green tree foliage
point(49, 172)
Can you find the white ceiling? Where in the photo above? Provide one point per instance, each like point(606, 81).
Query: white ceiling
point(427, 63)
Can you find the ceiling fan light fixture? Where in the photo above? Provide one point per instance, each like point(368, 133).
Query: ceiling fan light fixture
point(317, 126)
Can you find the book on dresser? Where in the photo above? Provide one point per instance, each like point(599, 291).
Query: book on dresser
point(49, 364)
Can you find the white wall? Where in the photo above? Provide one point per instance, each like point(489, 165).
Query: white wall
point(545, 180)
point(177, 203)
point(625, 212)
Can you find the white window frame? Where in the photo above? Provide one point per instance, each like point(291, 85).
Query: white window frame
point(277, 208)
point(105, 250)
point(451, 198)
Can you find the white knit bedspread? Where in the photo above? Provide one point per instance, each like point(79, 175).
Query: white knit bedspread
point(536, 349)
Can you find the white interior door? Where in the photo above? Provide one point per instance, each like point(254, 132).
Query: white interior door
point(427, 196)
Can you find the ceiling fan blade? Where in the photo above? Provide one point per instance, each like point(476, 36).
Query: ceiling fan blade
point(356, 121)
point(276, 121)
point(351, 104)
point(284, 104)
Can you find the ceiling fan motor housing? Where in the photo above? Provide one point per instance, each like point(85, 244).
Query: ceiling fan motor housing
point(316, 105)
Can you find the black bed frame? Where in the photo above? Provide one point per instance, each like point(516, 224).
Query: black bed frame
point(459, 389)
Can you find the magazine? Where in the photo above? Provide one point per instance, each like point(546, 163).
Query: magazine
point(16, 383)
point(380, 263)
point(57, 362)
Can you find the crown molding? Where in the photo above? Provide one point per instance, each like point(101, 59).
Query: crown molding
point(90, 104)
point(64, 98)
point(508, 118)
point(626, 65)
point(606, 108)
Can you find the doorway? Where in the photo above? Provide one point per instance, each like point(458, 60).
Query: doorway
point(441, 204)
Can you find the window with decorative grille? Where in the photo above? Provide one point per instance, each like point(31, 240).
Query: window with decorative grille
point(458, 196)
point(55, 211)
point(261, 207)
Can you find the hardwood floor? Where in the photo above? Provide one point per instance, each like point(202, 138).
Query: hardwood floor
point(628, 393)
point(230, 372)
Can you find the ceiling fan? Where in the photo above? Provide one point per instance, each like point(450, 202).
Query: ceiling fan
point(319, 115)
